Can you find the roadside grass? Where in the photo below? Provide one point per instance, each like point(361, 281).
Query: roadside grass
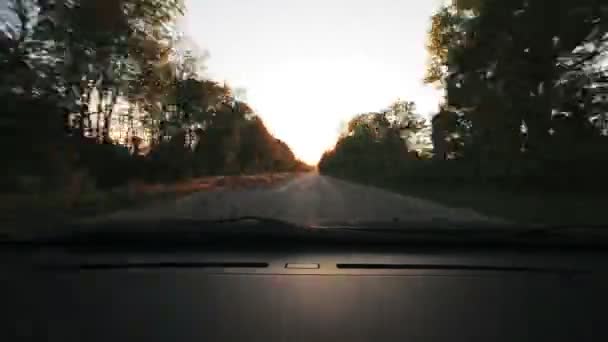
point(42, 211)
point(45, 211)
point(563, 208)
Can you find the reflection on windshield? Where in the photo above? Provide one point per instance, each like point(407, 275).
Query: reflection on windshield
point(114, 110)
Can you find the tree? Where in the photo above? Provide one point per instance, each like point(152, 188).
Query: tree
point(75, 67)
point(512, 64)
point(446, 33)
point(375, 144)
point(449, 135)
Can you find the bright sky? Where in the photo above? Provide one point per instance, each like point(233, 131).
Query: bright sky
point(309, 66)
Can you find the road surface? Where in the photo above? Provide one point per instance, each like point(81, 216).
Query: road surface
point(308, 199)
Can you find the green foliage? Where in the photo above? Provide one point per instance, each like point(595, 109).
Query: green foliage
point(471, 5)
point(445, 33)
point(520, 78)
point(524, 82)
point(450, 135)
point(374, 141)
point(70, 66)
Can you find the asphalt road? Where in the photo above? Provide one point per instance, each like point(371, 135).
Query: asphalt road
point(308, 199)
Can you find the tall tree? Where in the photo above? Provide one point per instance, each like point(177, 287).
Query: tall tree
point(508, 64)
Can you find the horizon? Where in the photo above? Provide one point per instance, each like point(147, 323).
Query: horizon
point(300, 78)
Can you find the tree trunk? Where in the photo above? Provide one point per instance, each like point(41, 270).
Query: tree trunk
point(98, 115)
point(108, 119)
point(84, 113)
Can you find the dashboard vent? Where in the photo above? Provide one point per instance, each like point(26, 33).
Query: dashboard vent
point(155, 265)
point(446, 267)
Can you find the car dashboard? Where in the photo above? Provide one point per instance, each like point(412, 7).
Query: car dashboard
point(303, 293)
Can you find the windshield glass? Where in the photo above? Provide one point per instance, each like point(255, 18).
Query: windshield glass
point(320, 113)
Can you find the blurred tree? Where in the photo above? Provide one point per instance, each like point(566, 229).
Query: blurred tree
point(449, 135)
point(514, 63)
point(375, 142)
point(446, 33)
point(74, 67)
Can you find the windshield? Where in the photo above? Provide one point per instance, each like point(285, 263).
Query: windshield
point(322, 113)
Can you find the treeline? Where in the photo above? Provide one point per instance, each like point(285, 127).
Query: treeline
point(377, 144)
point(526, 100)
point(109, 91)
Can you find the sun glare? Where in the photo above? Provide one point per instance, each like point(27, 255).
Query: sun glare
point(309, 67)
point(306, 102)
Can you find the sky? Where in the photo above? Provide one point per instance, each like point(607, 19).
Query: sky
point(307, 67)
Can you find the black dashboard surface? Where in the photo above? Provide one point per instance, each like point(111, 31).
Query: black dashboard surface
point(340, 294)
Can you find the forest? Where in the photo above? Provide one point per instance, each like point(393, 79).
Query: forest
point(526, 98)
point(99, 94)
point(106, 92)
point(524, 112)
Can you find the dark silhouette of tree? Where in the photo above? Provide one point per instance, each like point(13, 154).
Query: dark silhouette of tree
point(449, 135)
point(68, 65)
point(526, 102)
point(522, 75)
point(374, 142)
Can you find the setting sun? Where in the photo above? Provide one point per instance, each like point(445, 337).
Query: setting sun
point(305, 102)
